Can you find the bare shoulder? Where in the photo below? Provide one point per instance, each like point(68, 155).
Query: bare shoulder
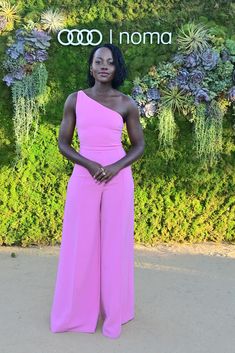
point(71, 99)
point(130, 105)
point(73, 96)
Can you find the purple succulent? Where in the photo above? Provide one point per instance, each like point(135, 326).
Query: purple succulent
point(28, 47)
point(181, 80)
point(41, 35)
point(231, 94)
point(30, 57)
point(224, 54)
point(9, 79)
point(201, 95)
point(19, 73)
point(209, 58)
point(136, 91)
point(196, 76)
point(41, 55)
point(153, 94)
point(182, 76)
point(38, 39)
point(194, 87)
point(178, 59)
point(13, 53)
point(16, 49)
point(192, 60)
point(20, 34)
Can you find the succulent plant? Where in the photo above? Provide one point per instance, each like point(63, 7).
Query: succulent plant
point(153, 94)
point(196, 76)
point(178, 59)
point(174, 98)
point(209, 59)
point(9, 79)
point(231, 94)
point(19, 73)
point(136, 91)
point(9, 13)
point(150, 109)
point(38, 39)
point(183, 75)
point(193, 38)
point(52, 21)
point(195, 83)
point(29, 48)
point(180, 81)
point(192, 60)
point(41, 55)
point(225, 56)
point(35, 55)
point(201, 95)
point(16, 73)
point(16, 49)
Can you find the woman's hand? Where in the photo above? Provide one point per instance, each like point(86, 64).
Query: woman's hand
point(93, 167)
point(110, 170)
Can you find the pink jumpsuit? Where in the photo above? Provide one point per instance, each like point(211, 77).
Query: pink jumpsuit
point(95, 272)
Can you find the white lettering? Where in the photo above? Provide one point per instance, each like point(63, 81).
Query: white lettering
point(168, 34)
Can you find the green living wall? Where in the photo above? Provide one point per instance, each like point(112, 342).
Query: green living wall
point(176, 200)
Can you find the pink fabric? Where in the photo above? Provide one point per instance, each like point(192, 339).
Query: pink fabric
point(96, 263)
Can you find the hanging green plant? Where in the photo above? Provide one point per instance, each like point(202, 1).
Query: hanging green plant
point(28, 95)
point(27, 77)
point(208, 132)
point(199, 75)
point(167, 131)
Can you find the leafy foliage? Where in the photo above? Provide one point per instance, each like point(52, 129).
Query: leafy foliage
point(176, 200)
point(193, 38)
point(199, 74)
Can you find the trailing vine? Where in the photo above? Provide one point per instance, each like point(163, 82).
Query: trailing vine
point(26, 72)
point(29, 96)
point(198, 84)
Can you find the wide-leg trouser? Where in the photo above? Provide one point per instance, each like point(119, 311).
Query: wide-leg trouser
point(96, 263)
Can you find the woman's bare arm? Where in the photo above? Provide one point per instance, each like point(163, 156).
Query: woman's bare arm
point(135, 133)
point(66, 133)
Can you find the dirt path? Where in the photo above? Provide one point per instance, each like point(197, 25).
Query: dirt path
point(184, 300)
point(207, 248)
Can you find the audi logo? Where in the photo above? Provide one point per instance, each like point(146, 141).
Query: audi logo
point(79, 39)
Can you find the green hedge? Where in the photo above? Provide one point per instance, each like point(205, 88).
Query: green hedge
point(176, 201)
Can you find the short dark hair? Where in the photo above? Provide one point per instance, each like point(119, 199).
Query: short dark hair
point(121, 71)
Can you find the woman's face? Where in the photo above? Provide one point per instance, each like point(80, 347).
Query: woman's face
point(103, 68)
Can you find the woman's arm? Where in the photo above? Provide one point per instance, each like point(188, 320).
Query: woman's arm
point(135, 133)
point(66, 133)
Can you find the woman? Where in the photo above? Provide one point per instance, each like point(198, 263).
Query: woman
point(96, 263)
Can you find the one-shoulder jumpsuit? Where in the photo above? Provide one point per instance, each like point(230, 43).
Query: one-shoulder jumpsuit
point(95, 274)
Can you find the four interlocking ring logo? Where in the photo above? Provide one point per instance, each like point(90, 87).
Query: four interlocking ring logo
point(71, 38)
